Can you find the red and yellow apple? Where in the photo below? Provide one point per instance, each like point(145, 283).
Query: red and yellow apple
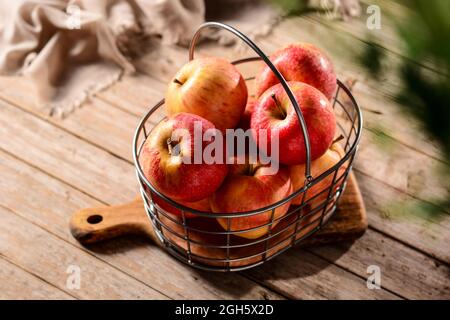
point(209, 87)
point(249, 187)
point(321, 189)
point(275, 114)
point(299, 62)
point(167, 159)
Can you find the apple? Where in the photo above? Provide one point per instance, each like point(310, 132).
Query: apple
point(275, 113)
point(299, 62)
point(209, 87)
point(248, 187)
point(321, 189)
point(167, 160)
point(201, 205)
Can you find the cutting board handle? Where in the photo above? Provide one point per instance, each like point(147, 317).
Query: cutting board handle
point(102, 223)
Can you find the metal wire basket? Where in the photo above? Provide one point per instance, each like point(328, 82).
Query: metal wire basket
point(201, 242)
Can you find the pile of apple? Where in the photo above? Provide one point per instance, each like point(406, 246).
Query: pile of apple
point(212, 92)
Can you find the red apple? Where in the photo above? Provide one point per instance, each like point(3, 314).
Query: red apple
point(318, 166)
point(202, 205)
point(249, 187)
point(299, 62)
point(209, 87)
point(275, 113)
point(169, 165)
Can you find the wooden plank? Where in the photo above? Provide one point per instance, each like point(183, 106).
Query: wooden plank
point(435, 247)
point(388, 211)
point(45, 255)
point(56, 202)
point(433, 286)
point(141, 258)
point(294, 271)
point(61, 206)
point(60, 154)
point(386, 117)
point(427, 278)
point(400, 167)
point(97, 121)
point(50, 204)
point(17, 284)
point(400, 237)
point(392, 15)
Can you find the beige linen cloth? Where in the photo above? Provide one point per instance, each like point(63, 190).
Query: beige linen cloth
point(71, 49)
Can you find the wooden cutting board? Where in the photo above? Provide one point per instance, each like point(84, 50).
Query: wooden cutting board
point(102, 223)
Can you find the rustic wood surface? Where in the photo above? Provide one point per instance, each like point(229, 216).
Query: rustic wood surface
point(50, 168)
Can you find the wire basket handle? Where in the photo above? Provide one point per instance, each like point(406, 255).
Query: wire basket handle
point(277, 73)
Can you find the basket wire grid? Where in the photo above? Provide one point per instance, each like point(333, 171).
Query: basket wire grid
point(188, 240)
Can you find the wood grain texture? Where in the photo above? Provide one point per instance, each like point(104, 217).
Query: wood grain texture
point(60, 205)
point(50, 205)
point(427, 279)
point(74, 164)
point(79, 168)
point(55, 201)
point(21, 285)
point(45, 255)
point(135, 261)
point(300, 274)
point(388, 211)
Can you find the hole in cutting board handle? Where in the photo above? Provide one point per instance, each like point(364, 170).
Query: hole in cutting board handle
point(94, 219)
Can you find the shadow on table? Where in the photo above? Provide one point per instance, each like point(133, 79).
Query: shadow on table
point(295, 263)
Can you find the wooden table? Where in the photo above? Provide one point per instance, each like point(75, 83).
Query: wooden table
point(51, 167)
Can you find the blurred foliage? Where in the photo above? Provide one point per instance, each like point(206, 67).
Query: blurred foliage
point(372, 59)
point(424, 94)
point(382, 138)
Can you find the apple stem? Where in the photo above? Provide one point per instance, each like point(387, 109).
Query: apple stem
point(338, 139)
point(170, 146)
point(178, 81)
point(278, 105)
